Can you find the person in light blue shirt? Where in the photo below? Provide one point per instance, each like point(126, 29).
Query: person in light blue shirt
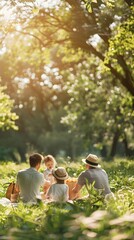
point(29, 181)
point(59, 191)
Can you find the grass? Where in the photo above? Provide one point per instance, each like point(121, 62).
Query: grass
point(85, 219)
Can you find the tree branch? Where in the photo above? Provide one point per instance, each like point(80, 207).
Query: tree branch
point(126, 81)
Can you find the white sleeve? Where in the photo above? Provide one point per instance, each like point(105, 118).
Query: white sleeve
point(67, 193)
point(45, 174)
point(43, 181)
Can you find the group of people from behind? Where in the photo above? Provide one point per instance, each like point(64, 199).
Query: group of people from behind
point(53, 179)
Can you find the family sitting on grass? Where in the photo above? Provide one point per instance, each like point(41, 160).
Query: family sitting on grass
point(54, 180)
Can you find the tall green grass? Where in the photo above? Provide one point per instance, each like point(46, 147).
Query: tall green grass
point(84, 219)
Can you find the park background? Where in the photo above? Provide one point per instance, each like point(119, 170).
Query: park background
point(66, 71)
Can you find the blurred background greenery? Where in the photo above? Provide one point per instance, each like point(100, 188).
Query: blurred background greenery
point(67, 69)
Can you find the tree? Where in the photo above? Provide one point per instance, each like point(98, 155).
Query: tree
point(111, 25)
point(7, 117)
point(98, 111)
point(80, 22)
point(63, 38)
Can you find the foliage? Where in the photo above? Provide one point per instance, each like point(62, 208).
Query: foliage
point(99, 109)
point(122, 43)
point(88, 218)
point(7, 117)
point(54, 55)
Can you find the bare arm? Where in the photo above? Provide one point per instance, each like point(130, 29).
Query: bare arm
point(46, 186)
point(76, 189)
point(17, 188)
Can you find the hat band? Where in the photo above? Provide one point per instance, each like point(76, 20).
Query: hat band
point(89, 162)
point(59, 176)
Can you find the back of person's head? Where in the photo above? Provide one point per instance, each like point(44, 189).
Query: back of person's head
point(60, 174)
point(35, 159)
point(60, 181)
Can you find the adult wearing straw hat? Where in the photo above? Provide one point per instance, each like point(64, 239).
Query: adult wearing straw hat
point(93, 174)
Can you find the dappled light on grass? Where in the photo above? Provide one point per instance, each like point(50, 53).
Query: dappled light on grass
point(87, 218)
point(128, 217)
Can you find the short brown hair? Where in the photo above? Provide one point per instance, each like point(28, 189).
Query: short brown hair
point(34, 159)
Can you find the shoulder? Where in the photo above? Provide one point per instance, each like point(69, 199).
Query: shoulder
point(40, 175)
point(82, 173)
point(82, 176)
point(103, 171)
point(52, 187)
point(22, 171)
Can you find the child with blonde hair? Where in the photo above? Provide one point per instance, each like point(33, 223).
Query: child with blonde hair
point(50, 164)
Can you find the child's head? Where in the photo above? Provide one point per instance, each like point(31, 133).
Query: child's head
point(60, 174)
point(50, 162)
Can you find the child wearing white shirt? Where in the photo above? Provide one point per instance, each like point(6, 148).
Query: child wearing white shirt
point(59, 191)
point(50, 163)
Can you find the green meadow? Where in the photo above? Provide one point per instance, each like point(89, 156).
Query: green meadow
point(91, 218)
point(67, 89)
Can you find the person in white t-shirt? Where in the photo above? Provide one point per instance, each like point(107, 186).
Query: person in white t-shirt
point(59, 192)
point(50, 164)
point(30, 180)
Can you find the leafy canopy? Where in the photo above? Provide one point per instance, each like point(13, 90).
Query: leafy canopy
point(7, 117)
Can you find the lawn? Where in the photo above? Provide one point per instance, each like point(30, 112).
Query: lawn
point(92, 218)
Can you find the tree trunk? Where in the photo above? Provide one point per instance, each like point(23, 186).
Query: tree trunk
point(104, 151)
point(114, 144)
point(22, 153)
point(129, 152)
point(125, 142)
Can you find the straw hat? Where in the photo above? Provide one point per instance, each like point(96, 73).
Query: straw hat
point(92, 160)
point(60, 173)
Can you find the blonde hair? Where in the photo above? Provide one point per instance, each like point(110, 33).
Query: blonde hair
point(49, 158)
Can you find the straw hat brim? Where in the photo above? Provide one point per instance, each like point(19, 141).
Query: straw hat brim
point(95, 166)
point(60, 178)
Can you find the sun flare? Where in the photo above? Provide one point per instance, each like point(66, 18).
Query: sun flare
point(7, 14)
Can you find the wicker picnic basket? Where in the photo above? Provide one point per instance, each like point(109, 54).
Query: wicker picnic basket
point(71, 182)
